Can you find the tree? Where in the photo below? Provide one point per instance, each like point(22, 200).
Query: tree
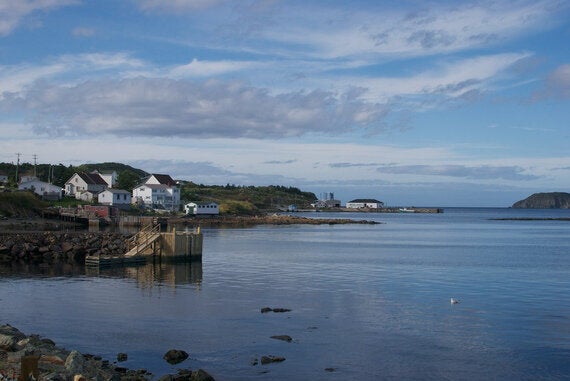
point(127, 180)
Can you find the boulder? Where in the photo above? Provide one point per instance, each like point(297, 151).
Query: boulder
point(75, 362)
point(283, 338)
point(175, 356)
point(9, 337)
point(201, 375)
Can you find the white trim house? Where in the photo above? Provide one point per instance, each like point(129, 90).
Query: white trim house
point(110, 177)
point(157, 196)
point(115, 197)
point(201, 208)
point(45, 190)
point(82, 181)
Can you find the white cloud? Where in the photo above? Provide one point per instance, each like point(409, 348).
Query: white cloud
point(158, 107)
point(13, 12)
point(197, 68)
point(390, 33)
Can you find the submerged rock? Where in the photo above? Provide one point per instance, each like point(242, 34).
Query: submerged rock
point(188, 375)
point(283, 338)
point(271, 359)
point(277, 310)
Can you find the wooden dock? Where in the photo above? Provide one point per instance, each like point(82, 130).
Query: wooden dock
point(151, 243)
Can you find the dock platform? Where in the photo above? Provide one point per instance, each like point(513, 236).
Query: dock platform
point(151, 243)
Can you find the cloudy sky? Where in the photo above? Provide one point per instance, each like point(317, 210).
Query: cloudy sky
point(412, 102)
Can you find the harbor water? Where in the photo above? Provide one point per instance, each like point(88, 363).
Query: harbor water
point(367, 302)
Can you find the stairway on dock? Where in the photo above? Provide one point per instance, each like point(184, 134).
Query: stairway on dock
point(150, 242)
point(145, 242)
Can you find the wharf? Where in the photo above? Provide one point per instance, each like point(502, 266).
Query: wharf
point(151, 243)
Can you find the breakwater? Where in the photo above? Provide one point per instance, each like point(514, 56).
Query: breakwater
point(49, 247)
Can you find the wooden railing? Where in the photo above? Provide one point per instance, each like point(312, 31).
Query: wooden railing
point(143, 239)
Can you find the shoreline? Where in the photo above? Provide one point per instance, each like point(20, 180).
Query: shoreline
point(34, 355)
point(273, 219)
point(34, 224)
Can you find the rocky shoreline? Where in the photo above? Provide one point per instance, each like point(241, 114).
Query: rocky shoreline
point(26, 357)
point(270, 219)
point(57, 247)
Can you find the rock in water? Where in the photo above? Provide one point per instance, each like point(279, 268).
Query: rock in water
point(269, 359)
point(175, 356)
point(283, 337)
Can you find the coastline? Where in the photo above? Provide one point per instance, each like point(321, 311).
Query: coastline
point(23, 356)
point(30, 224)
point(269, 219)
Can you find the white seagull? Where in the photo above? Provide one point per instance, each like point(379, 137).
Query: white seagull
point(454, 301)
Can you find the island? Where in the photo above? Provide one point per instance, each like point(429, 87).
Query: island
point(550, 200)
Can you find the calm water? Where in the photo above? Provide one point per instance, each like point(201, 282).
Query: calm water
point(369, 302)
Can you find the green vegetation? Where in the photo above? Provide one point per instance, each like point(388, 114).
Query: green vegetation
point(128, 176)
point(247, 199)
point(20, 204)
point(233, 199)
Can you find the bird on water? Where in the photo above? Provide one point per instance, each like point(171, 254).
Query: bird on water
point(454, 301)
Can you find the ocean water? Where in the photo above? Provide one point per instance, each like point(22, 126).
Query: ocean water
point(368, 302)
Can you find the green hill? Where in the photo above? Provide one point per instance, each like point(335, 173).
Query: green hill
point(247, 199)
point(233, 199)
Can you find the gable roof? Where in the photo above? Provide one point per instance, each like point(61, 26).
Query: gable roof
point(116, 191)
point(367, 200)
point(164, 179)
point(92, 178)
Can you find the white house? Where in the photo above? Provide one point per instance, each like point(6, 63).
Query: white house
point(110, 177)
point(82, 181)
point(87, 195)
point(45, 190)
point(364, 203)
point(3, 178)
point(201, 208)
point(158, 192)
point(115, 197)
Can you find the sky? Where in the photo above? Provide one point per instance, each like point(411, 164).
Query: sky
point(414, 103)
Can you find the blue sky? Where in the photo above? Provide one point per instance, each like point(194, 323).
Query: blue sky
point(440, 103)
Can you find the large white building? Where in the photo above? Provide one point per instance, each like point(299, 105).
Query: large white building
point(45, 190)
point(157, 192)
point(201, 208)
point(364, 203)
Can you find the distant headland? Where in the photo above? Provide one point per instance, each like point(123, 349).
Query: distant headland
point(550, 200)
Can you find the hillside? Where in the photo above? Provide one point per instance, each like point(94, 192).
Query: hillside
point(247, 199)
point(552, 200)
point(59, 174)
point(233, 199)
point(20, 204)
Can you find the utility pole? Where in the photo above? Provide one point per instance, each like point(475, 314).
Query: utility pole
point(35, 165)
point(17, 166)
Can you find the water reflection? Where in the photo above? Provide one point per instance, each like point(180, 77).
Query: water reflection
point(146, 276)
point(153, 274)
